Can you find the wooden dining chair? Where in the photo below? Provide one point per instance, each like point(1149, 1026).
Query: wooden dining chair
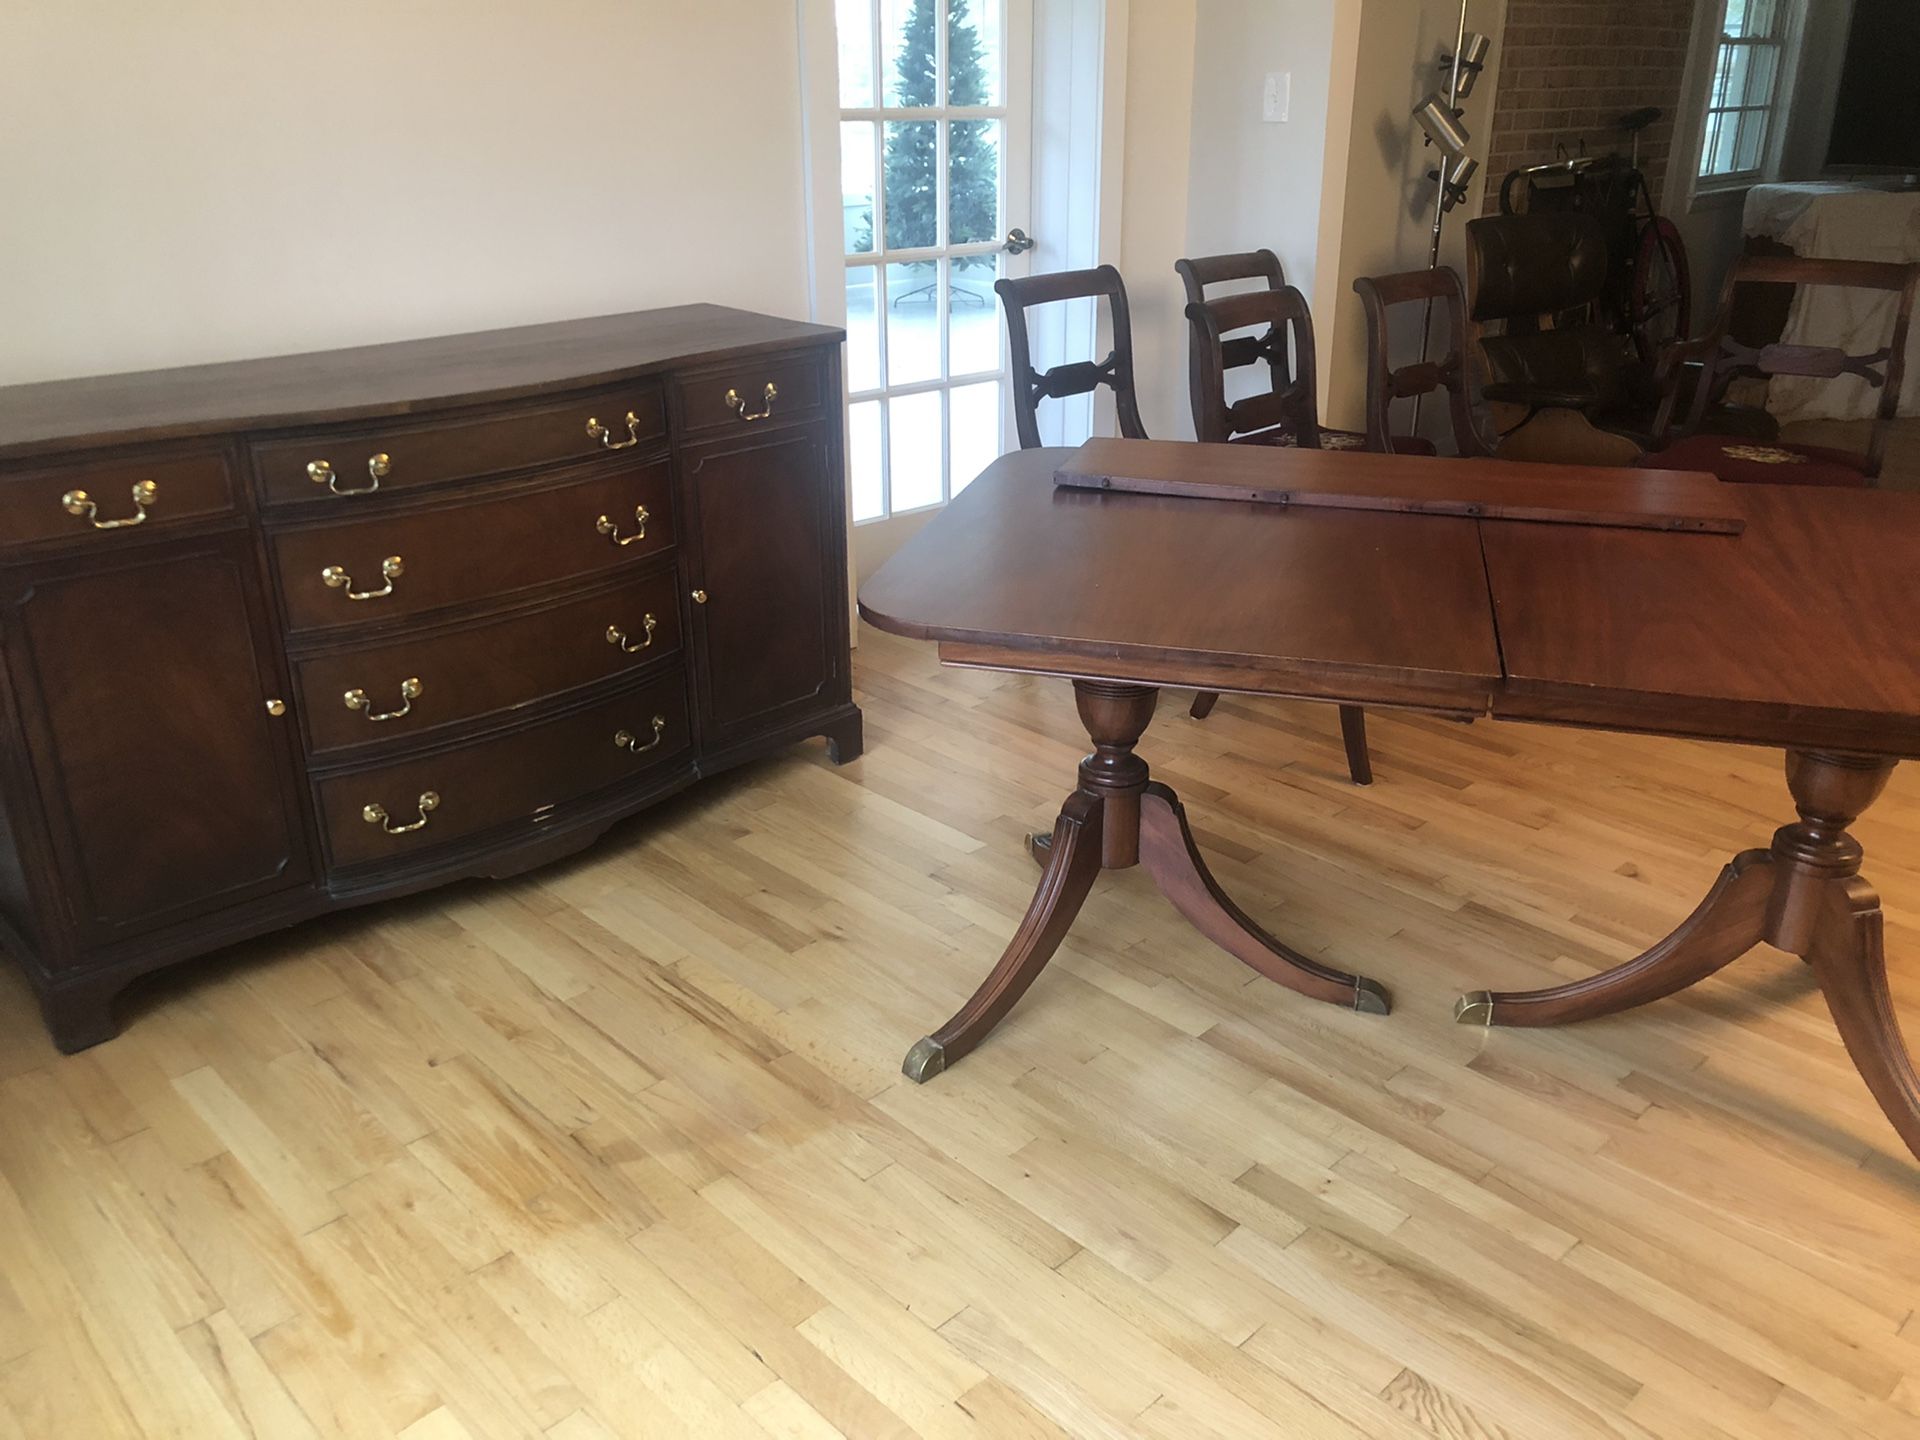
point(1286, 409)
point(1208, 366)
point(1450, 372)
point(1724, 358)
point(1078, 377)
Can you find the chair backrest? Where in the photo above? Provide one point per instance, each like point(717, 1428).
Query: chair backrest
point(1196, 275)
point(1728, 357)
point(1287, 407)
point(1078, 377)
point(1523, 268)
point(1449, 372)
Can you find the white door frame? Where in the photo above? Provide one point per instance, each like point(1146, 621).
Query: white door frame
point(1076, 69)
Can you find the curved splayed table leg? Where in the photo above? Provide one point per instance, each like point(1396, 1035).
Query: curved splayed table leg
point(1117, 819)
point(1174, 861)
point(1803, 895)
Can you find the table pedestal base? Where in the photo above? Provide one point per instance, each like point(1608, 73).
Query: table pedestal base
point(1803, 895)
point(1116, 819)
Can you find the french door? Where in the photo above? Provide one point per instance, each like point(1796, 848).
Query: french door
point(935, 97)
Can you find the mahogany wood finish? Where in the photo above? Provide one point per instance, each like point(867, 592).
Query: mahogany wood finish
point(1589, 625)
point(1387, 383)
point(1077, 377)
point(1724, 357)
point(179, 766)
point(1117, 819)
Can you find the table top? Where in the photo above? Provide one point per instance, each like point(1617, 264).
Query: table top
point(1803, 630)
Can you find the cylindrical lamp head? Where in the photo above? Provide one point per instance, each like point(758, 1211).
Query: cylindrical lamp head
point(1442, 126)
point(1473, 59)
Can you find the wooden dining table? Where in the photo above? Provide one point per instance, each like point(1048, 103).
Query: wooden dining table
point(1625, 600)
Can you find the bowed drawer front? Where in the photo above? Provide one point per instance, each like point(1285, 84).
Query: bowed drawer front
point(395, 811)
point(419, 684)
point(294, 634)
point(397, 563)
point(338, 465)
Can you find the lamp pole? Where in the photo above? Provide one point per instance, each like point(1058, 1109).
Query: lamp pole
point(1440, 201)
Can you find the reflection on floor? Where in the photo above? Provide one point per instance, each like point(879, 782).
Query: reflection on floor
point(622, 1148)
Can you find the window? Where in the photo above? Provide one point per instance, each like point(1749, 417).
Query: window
point(1744, 91)
point(926, 134)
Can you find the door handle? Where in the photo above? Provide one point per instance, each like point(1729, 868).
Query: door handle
point(1018, 242)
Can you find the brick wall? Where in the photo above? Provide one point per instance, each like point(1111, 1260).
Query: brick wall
point(1570, 68)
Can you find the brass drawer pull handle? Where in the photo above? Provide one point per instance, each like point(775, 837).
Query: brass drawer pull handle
point(376, 814)
point(627, 740)
point(409, 692)
point(617, 636)
point(78, 502)
point(597, 431)
point(378, 468)
point(607, 527)
point(737, 403)
point(338, 579)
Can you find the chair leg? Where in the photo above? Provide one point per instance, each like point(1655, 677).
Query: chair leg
point(1353, 730)
point(1203, 703)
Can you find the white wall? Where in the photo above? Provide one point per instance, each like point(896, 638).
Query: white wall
point(202, 179)
point(1253, 183)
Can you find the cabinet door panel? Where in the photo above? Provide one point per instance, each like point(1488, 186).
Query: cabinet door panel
point(767, 519)
point(167, 786)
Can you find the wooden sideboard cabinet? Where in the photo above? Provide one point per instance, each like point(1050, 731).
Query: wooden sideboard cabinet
point(284, 635)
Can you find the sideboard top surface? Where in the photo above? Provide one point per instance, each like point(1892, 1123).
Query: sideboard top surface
point(374, 381)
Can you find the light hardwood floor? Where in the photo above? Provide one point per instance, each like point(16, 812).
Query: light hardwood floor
point(622, 1148)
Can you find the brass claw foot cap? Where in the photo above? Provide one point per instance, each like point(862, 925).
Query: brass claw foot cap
point(925, 1060)
point(1475, 1008)
point(1370, 997)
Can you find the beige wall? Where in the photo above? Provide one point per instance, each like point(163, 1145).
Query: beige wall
point(204, 179)
point(1153, 225)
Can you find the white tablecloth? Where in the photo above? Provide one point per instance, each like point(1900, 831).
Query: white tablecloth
point(1839, 222)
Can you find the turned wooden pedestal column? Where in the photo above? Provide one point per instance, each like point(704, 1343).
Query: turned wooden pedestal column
point(1803, 895)
point(1118, 818)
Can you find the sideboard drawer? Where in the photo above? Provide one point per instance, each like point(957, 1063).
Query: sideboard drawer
point(421, 559)
point(391, 811)
point(427, 680)
point(736, 398)
point(101, 500)
point(344, 464)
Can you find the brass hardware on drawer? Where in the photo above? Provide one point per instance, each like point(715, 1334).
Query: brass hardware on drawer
point(276, 707)
point(78, 502)
point(338, 579)
point(409, 692)
point(606, 526)
point(597, 431)
point(378, 468)
point(737, 402)
point(699, 597)
point(617, 636)
point(376, 814)
point(627, 740)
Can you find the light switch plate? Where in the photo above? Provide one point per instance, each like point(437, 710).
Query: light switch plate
point(1276, 97)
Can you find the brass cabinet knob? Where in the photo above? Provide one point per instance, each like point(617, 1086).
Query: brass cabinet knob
point(410, 689)
point(617, 636)
point(627, 740)
point(376, 814)
point(378, 467)
point(338, 579)
point(606, 526)
point(699, 597)
point(78, 502)
point(276, 707)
